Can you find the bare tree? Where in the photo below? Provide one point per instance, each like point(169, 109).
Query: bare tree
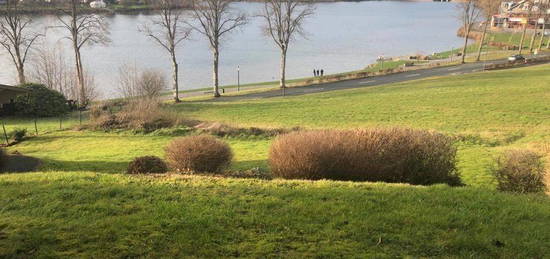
point(284, 21)
point(488, 9)
point(529, 15)
point(546, 17)
point(215, 19)
point(88, 93)
point(128, 79)
point(136, 83)
point(538, 14)
point(469, 13)
point(152, 83)
point(50, 68)
point(84, 29)
point(168, 29)
point(16, 36)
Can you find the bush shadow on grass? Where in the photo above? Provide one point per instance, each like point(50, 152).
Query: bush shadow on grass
point(20, 164)
point(121, 166)
point(249, 164)
point(84, 166)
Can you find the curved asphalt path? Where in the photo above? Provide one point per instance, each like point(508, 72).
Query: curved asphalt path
point(366, 82)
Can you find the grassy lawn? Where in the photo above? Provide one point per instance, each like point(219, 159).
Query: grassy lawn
point(103, 216)
point(495, 104)
point(81, 205)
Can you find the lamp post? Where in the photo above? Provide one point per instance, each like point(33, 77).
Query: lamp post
point(238, 78)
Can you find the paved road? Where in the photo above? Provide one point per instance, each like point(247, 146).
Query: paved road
point(365, 82)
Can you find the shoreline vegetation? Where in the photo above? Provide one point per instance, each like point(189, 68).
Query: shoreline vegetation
point(141, 8)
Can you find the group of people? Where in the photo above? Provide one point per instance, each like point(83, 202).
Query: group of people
point(318, 72)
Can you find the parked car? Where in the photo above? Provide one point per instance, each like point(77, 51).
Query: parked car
point(516, 57)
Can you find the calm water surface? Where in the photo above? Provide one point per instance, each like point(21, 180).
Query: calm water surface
point(341, 37)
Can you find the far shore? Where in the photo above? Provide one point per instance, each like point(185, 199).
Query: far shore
point(136, 9)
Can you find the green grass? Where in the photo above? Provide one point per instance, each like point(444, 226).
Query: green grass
point(75, 151)
point(492, 111)
point(102, 216)
point(81, 205)
point(496, 103)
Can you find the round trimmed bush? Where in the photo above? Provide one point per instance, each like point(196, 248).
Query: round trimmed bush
point(393, 155)
point(147, 165)
point(520, 171)
point(203, 153)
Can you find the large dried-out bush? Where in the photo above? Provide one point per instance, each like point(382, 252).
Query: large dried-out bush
point(203, 153)
point(141, 116)
point(147, 165)
point(520, 171)
point(389, 155)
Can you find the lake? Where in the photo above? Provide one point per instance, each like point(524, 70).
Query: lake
point(341, 37)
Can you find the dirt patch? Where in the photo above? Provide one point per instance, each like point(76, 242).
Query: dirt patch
point(17, 163)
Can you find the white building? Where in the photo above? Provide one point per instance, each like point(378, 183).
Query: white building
point(98, 4)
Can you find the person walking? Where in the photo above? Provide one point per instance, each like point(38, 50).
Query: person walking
point(322, 72)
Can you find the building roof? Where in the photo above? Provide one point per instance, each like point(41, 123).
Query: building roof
point(12, 88)
point(8, 93)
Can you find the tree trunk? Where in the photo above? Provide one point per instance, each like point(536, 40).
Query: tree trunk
point(78, 60)
point(80, 77)
point(467, 33)
point(522, 38)
point(534, 37)
point(20, 66)
point(482, 41)
point(542, 35)
point(282, 82)
point(175, 77)
point(215, 72)
point(21, 73)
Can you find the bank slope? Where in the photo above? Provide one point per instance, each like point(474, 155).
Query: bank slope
point(103, 215)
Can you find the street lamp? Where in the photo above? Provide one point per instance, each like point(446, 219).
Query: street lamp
point(238, 78)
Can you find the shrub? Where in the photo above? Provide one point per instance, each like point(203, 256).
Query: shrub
point(223, 130)
point(520, 171)
point(147, 165)
point(18, 135)
point(389, 155)
point(41, 102)
point(141, 116)
point(201, 153)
